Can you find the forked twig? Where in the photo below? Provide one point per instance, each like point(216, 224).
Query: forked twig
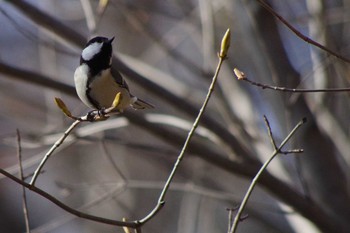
point(262, 169)
point(222, 56)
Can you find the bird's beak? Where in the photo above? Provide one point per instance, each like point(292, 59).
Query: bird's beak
point(111, 40)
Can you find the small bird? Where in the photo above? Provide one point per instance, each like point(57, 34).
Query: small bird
point(97, 84)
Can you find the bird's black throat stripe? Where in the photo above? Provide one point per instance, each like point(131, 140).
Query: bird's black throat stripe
point(92, 101)
point(91, 78)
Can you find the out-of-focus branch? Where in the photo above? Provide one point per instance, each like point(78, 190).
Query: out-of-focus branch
point(54, 26)
point(21, 176)
point(159, 39)
point(34, 78)
point(301, 35)
point(89, 15)
point(65, 207)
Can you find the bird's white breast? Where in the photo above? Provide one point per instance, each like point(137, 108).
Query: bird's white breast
point(81, 80)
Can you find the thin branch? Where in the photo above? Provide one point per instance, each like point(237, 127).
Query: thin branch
point(304, 185)
point(24, 196)
point(112, 162)
point(222, 56)
point(55, 223)
point(299, 34)
point(294, 151)
point(273, 142)
point(102, 6)
point(94, 115)
point(241, 76)
point(35, 78)
point(67, 208)
point(257, 176)
point(89, 15)
point(52, 149)
point(28, 34)
point(230, 218)
point(126, 229)
point(53, 25)
point(160, 39)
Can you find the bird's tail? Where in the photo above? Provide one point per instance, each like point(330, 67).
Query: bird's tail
point(141, 104)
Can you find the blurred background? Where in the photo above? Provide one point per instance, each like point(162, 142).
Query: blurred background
point(167, 52)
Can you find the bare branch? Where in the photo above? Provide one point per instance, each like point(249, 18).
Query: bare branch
point(24, 196)
point(53, 148)
point(94, 115)
point(222, 56)
point(230, 217)
point(257, 176)
point(35, 78)
point(241, 76)
point(270, 133)
point(67, 208)
point(294, 151)
point(89, 15)
point(54, 26)
point(299, 34)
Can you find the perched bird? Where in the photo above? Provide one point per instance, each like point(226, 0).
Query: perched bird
point(95, 82)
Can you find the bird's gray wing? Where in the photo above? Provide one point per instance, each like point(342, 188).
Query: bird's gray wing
point(119, 78)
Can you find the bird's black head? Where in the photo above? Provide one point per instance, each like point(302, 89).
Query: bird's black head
point(97, 54)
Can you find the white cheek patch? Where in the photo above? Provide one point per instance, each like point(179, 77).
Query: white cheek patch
point(90, 51)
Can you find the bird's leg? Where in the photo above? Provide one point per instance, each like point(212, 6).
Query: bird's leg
point(91, 115)
point(97, 115)
point(101, 112)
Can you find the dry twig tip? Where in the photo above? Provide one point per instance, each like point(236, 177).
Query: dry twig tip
point(239, 74)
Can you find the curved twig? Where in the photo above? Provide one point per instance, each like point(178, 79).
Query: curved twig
point(67, 208)
point(52, 149)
